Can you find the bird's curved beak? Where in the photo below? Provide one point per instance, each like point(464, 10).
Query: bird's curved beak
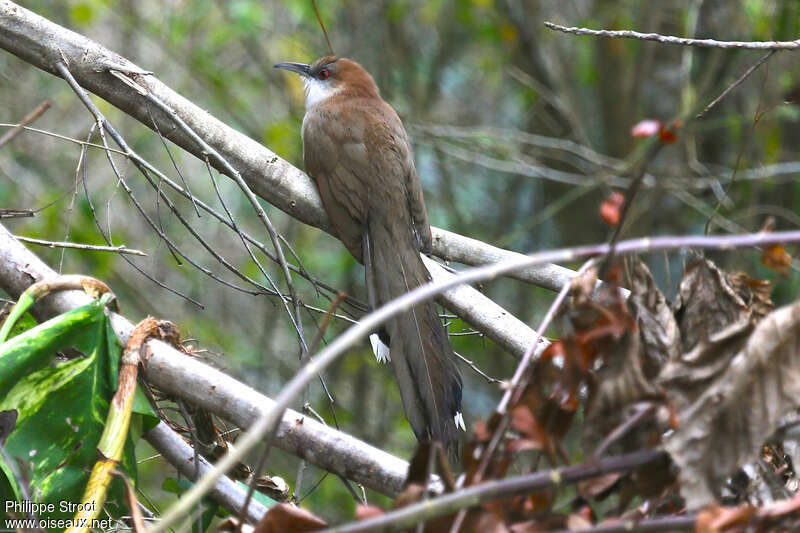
point(300, 68)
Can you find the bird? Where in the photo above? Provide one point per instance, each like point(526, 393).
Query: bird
point(357, 151)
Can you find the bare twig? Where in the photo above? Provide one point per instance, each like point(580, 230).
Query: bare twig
point(757, 115)
point(498, 489)
point(622, 429)
point(736, 83)
point(209, 153)
point(7, 212)
point(659, 524)
point(103, 124)
point(669, 39)
point(174, 163)
point(321, 25)
point(265, 453)
point(24, 213)
point(62, 137)
point(79, 246)
point(668, 178)
point(30, 117)
point(543, 142)
point(475, 368)
point(630, 194)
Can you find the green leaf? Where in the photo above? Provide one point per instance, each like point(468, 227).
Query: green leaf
point(263, 499)
point(9, 487)
point(62, 409)
point(26, 300)
point(175, 486)
point(34, 349)
point(205, 518)
point(82, 13)
point(25, 322)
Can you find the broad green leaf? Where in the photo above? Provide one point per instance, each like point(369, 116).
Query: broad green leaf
point(34, 349)
point(63, 408)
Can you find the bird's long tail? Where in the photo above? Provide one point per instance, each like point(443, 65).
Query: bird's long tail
point(421, 355)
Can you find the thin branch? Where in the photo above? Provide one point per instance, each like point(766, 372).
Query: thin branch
point(623, 428)
point(473, 366)
point(179, 454)
point(757, 115)
point(630, 195)
point(669, 39)
point(517, 136)
point(209, 153)
point(668, 177)
point(105, 125)
point(186, 194)
point(80, 177)
point(62, 137)
point(79, 246)
point(322, 25)
point(736, 83)
point(174, 163)
point(30, 117)
point(659, 524)
point(16, 213)
point(498, 489)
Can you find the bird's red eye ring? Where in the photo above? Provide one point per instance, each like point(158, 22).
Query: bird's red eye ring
point(324, 74)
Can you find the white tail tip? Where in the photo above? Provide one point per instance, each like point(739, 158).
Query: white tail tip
point(459, 420)
point(380, 350)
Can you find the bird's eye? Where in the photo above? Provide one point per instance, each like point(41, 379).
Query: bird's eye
point(324, 74)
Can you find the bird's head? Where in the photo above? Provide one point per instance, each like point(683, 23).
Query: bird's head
point(331, 75)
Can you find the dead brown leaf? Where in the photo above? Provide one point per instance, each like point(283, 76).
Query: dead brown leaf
point(719, 431)
point(368, 511)
point(591, 488)
point(658, 329)
point(777, 258)
point(720, 519)
point(647, 336)
point(716, 312)
point(711, 300)
point(285, 517)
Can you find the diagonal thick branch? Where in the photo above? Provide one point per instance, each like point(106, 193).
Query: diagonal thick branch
point(43, 44)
